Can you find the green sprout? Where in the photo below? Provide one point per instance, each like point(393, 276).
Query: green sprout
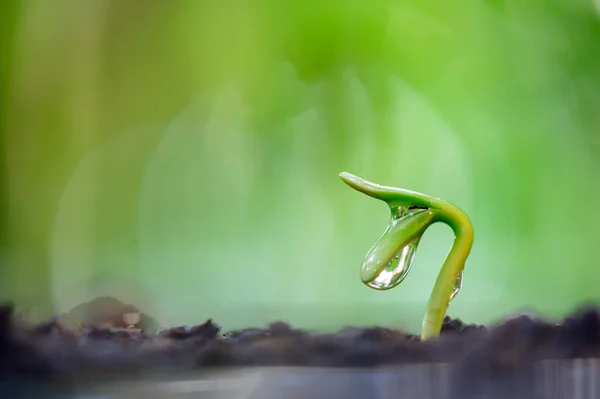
point(389, 260)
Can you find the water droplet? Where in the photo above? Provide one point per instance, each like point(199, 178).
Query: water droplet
point(389, 260)
point(457, 285)
point(397, 269)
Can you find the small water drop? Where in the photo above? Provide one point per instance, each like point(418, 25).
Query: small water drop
point(457, 285)
point(397, 269)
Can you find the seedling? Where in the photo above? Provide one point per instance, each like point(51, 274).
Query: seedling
point(389, 260)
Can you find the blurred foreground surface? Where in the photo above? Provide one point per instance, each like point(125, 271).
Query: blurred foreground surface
point(579, 379)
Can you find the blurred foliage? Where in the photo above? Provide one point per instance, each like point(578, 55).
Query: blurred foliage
point(184, 155)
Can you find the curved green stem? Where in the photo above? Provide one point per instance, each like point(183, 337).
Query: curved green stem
point(406, 231)
point(451, 270)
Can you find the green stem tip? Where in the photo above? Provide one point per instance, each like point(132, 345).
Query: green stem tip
point(389, 260)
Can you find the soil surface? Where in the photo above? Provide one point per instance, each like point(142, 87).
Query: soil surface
point(47, 351)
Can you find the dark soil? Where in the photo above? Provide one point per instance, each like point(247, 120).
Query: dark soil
point(49, 352)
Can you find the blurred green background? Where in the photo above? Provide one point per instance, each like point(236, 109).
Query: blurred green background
point(184, 155)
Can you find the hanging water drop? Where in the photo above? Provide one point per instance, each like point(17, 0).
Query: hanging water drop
point(457, 285)
point(397, 269)
point(388, 262)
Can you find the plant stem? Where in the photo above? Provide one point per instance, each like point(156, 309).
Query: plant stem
point(453, 265)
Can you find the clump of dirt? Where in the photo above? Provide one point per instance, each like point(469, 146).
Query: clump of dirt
point(50, 351)
point(108, 312)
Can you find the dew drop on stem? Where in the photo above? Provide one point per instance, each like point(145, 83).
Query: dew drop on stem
point(457, 285)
